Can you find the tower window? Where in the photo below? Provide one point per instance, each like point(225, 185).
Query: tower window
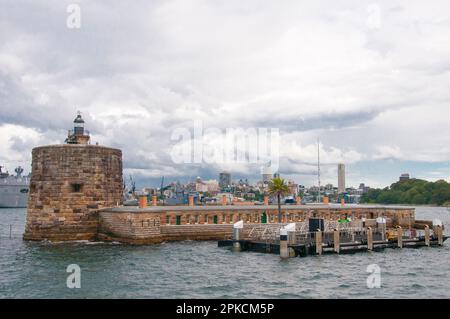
point(76, 188)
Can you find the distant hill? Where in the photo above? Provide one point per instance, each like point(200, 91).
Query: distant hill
point(413, 191)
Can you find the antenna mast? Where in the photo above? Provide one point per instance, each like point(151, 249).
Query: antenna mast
point(162, 189)
point(318, 168)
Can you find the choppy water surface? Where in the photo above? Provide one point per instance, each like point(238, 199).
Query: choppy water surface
point(202, 270)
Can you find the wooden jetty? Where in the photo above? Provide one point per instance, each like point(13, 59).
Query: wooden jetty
point(290, 241)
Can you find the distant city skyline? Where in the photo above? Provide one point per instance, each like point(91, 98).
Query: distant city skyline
point(355, 183)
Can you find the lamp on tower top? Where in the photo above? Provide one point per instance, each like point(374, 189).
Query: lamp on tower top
point(78, 135)
point(78, 125)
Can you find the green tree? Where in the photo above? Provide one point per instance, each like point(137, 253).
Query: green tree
point(419, 199)
point(278, 187)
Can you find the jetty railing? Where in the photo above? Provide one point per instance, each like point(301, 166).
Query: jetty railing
point(265, 232)
point(351, 232)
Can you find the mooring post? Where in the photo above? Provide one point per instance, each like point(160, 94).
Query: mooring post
point(318, 242)
point(399, 237)
point(236, 243)
point(284, 252)
point(440, 235)
point(236, 235)
point(427, 235)
point(369, 238)
point(336, 241)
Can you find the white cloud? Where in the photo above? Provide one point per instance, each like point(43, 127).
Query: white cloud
point(386, 152)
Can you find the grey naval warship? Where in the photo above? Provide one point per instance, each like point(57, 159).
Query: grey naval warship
point(13, 189)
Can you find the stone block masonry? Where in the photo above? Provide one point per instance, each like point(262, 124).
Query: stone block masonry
point(69, 184)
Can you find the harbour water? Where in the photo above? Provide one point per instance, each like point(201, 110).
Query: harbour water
point(202, 270)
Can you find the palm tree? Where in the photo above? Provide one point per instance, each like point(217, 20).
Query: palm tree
point(279, 188)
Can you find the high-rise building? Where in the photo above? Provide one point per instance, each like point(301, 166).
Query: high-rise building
point(341, 178)
point(224, 179)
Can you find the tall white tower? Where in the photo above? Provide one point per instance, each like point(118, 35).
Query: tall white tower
point(341, 178)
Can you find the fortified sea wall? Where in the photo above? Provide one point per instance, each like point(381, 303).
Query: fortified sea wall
point(172, 223)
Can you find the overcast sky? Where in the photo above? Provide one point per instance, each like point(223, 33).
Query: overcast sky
point(371, 79)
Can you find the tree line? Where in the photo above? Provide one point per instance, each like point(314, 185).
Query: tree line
point(413, 191)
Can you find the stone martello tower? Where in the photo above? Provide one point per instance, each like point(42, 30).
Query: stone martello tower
point(69, 184)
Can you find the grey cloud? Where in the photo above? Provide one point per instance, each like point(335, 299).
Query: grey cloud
point(320, 121)
point(138, 70)
point(19, 106)
point(20, 145)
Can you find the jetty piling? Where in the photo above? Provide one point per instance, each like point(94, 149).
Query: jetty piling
point(427, 235)
point(440, 235)
point(369, 238)
point(399, 237)
point(336, 240)
point(318, 238)
point(284, 252)
point(237, 227)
